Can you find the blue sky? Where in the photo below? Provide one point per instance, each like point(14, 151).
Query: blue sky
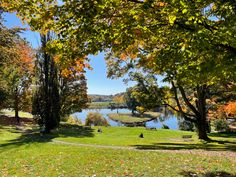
point(97, 81)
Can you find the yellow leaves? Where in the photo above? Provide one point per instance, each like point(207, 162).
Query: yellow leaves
point(133, 55)
point(172, 19)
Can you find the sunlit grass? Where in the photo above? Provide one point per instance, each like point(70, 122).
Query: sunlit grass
point(36, 155)
point(11, 113)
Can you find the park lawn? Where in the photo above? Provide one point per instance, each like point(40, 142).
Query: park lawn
point(34, 155)
point(8, 112)
point(153, 139)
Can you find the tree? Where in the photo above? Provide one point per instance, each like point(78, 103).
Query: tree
point(145, 94)
point(46, 101)
point(16, 68)
point(131, 102)
point(191, 43)
point(73, 94)
point(61, 84)
point(7, 52)
point(17, 74)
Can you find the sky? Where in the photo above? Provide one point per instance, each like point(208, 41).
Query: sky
point(97, 81)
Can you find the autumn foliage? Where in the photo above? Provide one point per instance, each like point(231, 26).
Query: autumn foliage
point(227, 110)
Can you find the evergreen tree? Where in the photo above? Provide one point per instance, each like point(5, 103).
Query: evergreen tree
point(46, 102)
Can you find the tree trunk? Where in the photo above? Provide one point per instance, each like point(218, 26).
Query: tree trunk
point(16, 106)
point(198, 110)
point(202, 115)
point(201, 126)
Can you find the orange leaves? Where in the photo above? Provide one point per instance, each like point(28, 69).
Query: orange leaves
point(71, 68)
point(230, 109)
point(5, 5)
point(131, 51)
point(227, 110)
point(57, 58)
point(160, 4)
point(123, 56)
point(23, 59)
point(66, 72)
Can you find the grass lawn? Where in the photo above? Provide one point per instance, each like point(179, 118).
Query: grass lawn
point(8, 112)
point(30, 154)
point(153, 139)
point(129, 118)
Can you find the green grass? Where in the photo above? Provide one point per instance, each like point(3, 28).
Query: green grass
point(11, 113)
point(129, 118)
point(36, 155)
point(33, 155)
point(153, 139)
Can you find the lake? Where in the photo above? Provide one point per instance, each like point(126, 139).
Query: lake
point(171, 120)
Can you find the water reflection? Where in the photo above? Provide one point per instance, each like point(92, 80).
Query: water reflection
point(166, 118)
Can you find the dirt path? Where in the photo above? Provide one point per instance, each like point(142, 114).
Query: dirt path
point(226, 154)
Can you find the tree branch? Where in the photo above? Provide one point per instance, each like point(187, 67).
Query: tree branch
point(181, 89)
point(136, 1)
point(184, 114)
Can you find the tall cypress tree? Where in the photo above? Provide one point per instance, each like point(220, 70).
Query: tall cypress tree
point(46, 102)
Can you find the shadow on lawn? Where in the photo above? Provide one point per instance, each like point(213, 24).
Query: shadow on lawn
point(182, 146)
point(213, 145)
point(207, 174)
point(30, 137)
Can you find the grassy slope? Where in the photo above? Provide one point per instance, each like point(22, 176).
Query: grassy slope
point(31, 155)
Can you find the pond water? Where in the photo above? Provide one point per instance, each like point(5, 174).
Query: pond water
point(170, 120)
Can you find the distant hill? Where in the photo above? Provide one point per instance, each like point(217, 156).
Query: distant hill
point(100, 98)
point(103, 98)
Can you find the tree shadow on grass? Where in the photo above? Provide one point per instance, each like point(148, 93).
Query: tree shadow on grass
point(224, 135)
point(213, 145)
point(216, 146)
point(207, 174)
point(34, 136)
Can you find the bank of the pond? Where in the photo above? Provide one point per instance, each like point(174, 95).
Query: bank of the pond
point(129, 119)
point(171, 120)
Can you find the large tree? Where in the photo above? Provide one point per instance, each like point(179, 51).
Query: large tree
point(191, 43)
point(17, 75)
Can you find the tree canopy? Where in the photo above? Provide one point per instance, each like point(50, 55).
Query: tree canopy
point(191, 43)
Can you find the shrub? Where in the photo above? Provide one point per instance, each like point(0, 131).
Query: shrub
point(165, 127)
point(221, 125)
point(74, 120)
point(96, 119)
point(65, 118)
point(186, 125)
